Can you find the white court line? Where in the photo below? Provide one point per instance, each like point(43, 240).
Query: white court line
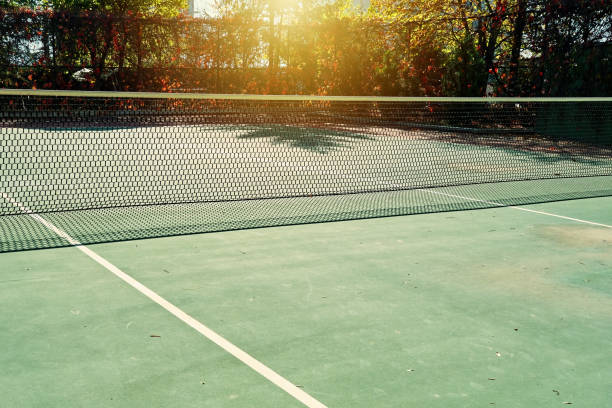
point(241, 355)
point(517, 208)
point(499, 205)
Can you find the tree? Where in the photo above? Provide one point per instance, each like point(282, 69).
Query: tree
point(166, 8)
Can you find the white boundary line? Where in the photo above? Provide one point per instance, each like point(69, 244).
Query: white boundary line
point(517, 208)
point(505, 206)
point(241, 355)
point(238, 353)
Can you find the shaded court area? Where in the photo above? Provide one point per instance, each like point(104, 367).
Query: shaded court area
point(493, 307)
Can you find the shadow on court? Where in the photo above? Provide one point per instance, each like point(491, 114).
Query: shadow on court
point(312, 139)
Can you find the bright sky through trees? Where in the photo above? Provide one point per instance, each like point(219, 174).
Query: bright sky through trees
point(326, 47)
point(202, 6)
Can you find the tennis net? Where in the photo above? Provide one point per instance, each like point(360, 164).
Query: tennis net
point(114, 166)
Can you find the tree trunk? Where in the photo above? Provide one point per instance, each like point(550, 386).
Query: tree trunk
point(545, 44)
point(517, 43)
point(272, 48)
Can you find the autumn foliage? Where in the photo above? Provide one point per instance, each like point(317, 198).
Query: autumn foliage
point(396, 47)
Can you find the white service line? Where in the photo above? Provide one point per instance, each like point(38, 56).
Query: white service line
point(241, 355)
point(517, 208)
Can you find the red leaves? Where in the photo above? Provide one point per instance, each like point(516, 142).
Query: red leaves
point(326, 56)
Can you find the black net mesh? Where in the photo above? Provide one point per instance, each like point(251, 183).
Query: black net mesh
point(109, 167)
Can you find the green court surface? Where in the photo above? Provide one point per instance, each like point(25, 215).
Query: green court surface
point(493, 307)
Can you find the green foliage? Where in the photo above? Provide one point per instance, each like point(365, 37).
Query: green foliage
point(465, 69)
point(18, 3)
point(167, 8)
point(396, 47)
